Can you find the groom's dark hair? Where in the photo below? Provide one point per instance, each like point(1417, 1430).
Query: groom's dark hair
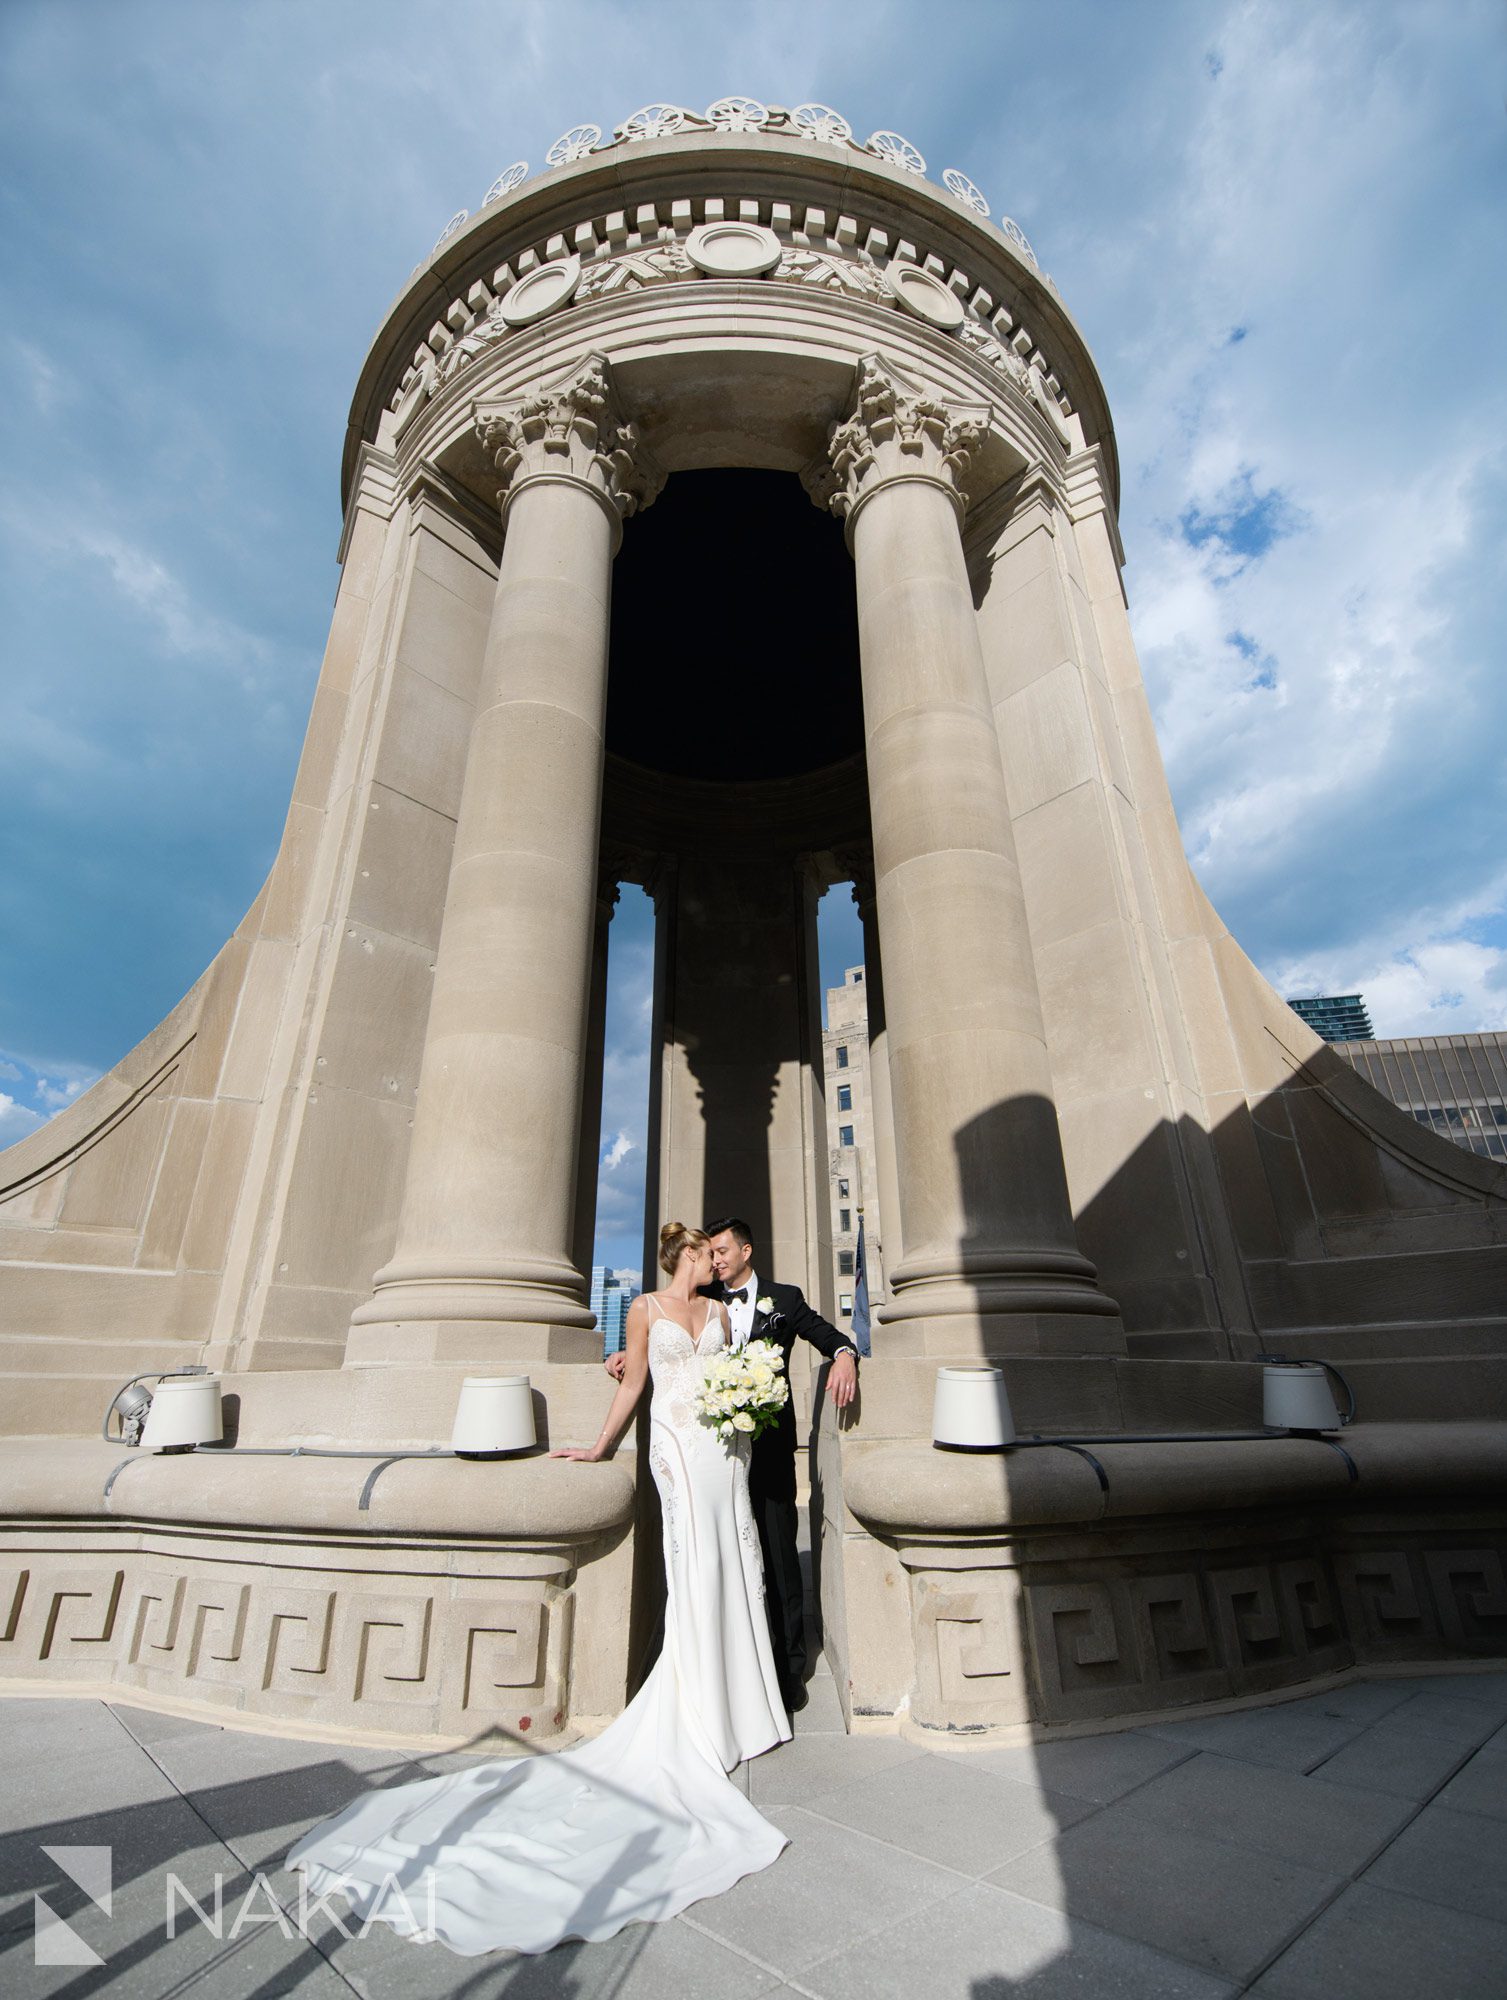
point(737, 1225)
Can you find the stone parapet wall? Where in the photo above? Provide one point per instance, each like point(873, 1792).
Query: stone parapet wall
point(988, 1591)
point(461, 1602)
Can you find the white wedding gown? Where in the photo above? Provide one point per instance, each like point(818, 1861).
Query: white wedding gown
point(642, 1820)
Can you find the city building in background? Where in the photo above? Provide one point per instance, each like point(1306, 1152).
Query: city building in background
point(1455, 1083)
point(1338, 1017)
point(852, 1175)
point(611, 1297)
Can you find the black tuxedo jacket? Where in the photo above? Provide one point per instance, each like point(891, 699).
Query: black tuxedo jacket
point(771, 1469)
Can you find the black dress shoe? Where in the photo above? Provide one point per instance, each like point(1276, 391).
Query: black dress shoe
point(796, 1698)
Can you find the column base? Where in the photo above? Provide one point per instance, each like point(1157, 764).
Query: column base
point(488, 1346)
point(473, 1317)
point(994, 1336)
point(1050, 1316)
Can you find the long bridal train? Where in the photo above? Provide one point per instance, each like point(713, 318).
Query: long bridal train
point(642, 1821)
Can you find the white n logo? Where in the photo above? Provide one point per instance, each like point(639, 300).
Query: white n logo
point(56, 1943)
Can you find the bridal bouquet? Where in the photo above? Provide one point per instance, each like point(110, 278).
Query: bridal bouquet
point(744, 1390)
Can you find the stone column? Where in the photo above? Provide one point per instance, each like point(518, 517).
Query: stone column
point(483, 1268)
point(990, 1262)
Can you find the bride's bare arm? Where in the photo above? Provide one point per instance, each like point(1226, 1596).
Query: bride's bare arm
point(630, 1387)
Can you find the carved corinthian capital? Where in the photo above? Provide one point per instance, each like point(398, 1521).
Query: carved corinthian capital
point(570, 429)
point(895, 432)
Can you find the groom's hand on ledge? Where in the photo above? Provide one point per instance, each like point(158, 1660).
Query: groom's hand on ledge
point(842, 1380)
point(615, 1364)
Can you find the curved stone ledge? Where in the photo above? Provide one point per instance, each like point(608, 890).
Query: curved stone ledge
point(472, 1602)
point(910, 1489)
point(527, 1499)
point(999, 1590)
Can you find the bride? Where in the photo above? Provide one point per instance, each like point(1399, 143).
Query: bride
point(641, 1821)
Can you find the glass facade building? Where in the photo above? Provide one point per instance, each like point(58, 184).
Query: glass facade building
point(610, 1300)
point(1338, 1017)
point(1455, 1083)
point(852, 1171)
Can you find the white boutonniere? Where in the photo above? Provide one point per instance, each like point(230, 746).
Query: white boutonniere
point(766, 1306)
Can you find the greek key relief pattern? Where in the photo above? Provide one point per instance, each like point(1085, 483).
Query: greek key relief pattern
point(1402, 1602)
point(968, 1660)
point(1117, 1643)
point(420, 1658)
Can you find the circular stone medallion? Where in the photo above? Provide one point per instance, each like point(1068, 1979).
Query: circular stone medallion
point(733, 249)
point(541, 292)
point(927, 297)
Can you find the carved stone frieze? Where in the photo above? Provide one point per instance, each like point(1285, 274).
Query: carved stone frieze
point(352, 1651)
point(658, 264)
point(980, 339)
point(833, 274)
point(570, 429)
point(847, 269)
point(489, 329)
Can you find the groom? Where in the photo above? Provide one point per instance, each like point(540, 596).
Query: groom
point(760, 1309)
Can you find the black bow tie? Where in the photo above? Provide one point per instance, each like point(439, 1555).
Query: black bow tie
point(741, 1297)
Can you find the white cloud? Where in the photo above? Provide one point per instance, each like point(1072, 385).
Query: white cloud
point(50, 1088)
point(48, 385)
point(96, 549)
point(1439, 972)
point(16, 1121)
point(55, 1095)
point(1327, 696)
point(617, 1152)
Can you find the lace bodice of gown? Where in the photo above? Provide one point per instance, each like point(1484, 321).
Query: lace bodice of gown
point(675, 1367)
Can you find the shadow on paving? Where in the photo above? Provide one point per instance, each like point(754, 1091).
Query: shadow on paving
point(211, 1852)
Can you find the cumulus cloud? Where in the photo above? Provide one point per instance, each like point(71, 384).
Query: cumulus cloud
point(1315, 527)
point(16, 1120)
point(617, 1152)
point(55, 1095)
point(37, 1093)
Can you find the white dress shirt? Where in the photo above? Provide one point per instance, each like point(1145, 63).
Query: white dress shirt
point(741, 1312)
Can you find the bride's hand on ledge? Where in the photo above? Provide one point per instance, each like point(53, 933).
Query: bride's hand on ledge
point(594, 1456)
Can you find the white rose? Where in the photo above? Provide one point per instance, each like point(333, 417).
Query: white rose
point(743, 1421)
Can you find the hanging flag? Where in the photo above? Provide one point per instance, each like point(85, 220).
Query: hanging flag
point(860, 1295)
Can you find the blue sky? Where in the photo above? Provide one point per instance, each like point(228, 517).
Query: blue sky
point(1280, 227)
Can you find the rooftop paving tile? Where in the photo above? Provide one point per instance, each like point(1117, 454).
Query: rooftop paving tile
point(1350, 1845)
point(1372, 1944)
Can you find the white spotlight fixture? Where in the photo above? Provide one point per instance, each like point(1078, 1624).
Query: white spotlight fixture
point(495, 1415)
point(185, 1411)
point(1296, 1396)
point(181, 1411)
point(971, 1411)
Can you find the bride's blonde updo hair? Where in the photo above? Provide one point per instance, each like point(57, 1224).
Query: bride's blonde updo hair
point(674, 1240)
